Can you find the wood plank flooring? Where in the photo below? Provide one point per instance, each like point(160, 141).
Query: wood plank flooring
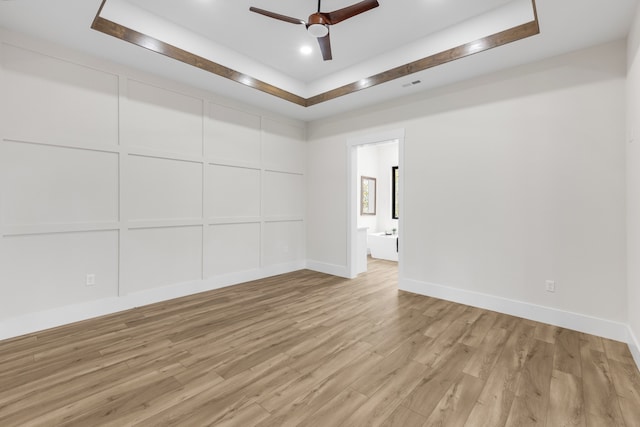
point(310, 349)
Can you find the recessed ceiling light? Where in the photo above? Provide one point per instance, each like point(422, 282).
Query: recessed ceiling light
point(306, 50)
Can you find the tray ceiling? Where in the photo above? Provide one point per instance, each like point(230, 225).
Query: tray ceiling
point(377, 55)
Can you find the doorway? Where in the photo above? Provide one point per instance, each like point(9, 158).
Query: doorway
point(380, 205)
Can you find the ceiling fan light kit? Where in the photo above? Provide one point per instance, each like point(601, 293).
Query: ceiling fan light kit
point(318, 30)
point(318, 23)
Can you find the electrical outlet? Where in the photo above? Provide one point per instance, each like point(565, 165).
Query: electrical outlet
point(550, 286)
point(91, 280)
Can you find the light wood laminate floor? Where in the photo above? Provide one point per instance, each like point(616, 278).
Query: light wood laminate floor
point(315, 350)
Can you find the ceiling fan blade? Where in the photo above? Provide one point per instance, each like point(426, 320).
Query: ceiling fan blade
point(325, 47)
point(350, 11)
point(277, 16)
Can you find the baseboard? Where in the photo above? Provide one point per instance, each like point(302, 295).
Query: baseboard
point(334, 270)
point(578, 322)
point(634, 346)
point(38, 321)
point(34, 322)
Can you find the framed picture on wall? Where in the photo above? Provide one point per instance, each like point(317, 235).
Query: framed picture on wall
point(367, 195)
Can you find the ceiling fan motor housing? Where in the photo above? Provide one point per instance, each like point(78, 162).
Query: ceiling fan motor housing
point(317, 25)
point(317, 18)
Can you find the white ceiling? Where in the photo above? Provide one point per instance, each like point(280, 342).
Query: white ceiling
point(268, 49)
point(390, 35)
point(277, 44)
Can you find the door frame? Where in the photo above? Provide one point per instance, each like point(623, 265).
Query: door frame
point(352, 192)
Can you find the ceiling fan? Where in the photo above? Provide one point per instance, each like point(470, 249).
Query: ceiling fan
point(318, 23)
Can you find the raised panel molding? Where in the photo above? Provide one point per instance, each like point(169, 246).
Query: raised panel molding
point(157, 257)
point(232, 248)
point(283, 242)
point(284, 195)
point(232, 192)
point(162, 120)
point(232, 135)
point(160, 189)
point(44, 271)
point(283, 147)
point(48, 185)
point(71, 103)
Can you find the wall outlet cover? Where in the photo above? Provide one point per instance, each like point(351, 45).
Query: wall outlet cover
point(550, 286)
point(91, 280)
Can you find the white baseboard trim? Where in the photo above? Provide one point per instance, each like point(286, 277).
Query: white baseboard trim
point(578, 322)
point(38, 321)
point(334, 270)
point(34, 322)
point(634, 346)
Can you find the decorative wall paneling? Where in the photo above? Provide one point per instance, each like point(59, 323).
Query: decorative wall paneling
point(49, 185)
point(161, 256)
point(36, 85)
point(45, 270)
point(140, 184)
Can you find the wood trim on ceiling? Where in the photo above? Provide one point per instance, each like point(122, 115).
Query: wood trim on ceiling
point(483, 44)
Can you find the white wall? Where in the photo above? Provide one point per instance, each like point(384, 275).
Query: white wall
point(387, 157)
point(376, 160)
point(160, 189)
point(633, 184)
point(510, 180)
point(142, 182)
point(368, 166)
